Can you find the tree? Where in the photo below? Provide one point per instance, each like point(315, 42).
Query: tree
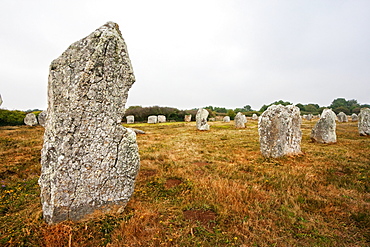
point(231, 114)
point(280, 102)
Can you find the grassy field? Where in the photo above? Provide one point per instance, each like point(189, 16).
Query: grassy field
point(209, 188)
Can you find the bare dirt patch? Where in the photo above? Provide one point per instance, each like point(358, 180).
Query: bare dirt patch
point(172, 182)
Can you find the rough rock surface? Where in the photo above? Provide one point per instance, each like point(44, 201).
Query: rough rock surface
point(354, 117)
point(324, 130)
point(1, 100)
point(161, 119)
point(240, 120)
point(254, 116)
point(130, 119)
point(342, 117)
point(201, 119)
point(187, 118)
point(30, 119)
point(279, 131)
point(226, 119)
point(152, 119)
point(89, 160)
point(42, 118)
point(364, 122)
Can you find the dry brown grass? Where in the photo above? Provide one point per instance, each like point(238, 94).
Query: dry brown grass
point(210, 188)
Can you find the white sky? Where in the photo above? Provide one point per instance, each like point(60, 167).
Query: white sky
point(194, 53)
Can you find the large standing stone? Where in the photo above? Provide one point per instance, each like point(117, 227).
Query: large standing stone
point(201, 119)
point(254, 116)
point(240, 120)
point(187, 118)
point(364, 122)
point(324, 130)
point(30, 119)
point(342, 117)
point(42, 118)
point(152, 119)
point(354, 117)
point(161, 119)
point(279, 131)
point(130, 119)
point(226, 119)
point(89, 160)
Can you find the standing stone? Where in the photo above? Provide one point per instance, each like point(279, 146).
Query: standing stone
point(42, 118)
point(187, 118)
point(161, 119)
point(130, 119)
point(254, 116)
point(342, 117)
point(354, 117)
point(324, 130)
point(364, 122)
point(212, 119)
point(226, 119)
point(240, 120)
point(279, 131)
point(309, 117)
point(89, 160)
point(201, 119)
point(30, 119)
point(152, 119)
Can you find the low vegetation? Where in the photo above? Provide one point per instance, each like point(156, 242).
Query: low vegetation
point(210, 188)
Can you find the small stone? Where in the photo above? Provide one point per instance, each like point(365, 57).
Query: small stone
point(212, 119)
point(324, 130)
point(254, 116)
point(342, 117)
point(187, 118)
point(30, 119)
point(130, 119)
point(201, 119)
point(240, 120)
point(226, 119)
point(152, 119)
point(137, 131)
point(42, 118)
point(279, 131)
point(161, 119)
point(364, 122)
point(354, 117)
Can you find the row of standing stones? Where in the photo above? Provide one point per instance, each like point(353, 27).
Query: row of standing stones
point(89, 160)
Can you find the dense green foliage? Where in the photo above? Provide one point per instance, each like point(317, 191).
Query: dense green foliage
point(11, 117)
point(346, 106)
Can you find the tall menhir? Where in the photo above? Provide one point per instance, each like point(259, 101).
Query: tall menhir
point(89, 160)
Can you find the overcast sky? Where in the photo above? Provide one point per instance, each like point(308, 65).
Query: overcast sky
point(194, 53)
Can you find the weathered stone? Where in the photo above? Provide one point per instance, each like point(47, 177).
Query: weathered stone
point(152, 119)
point(1, 100)
point(42, 118)
point(240, 120)
point(364, 122)
point(201, 119)
point(342, 117)
point(161, 119)
point(89, 160)
point(212, 119)
point(137, 131)
point(226, 119)
point(309, 117)
point(279, 131)
point(354, 117)
point(187, 118)
point(130, 119)
point(30, 119)
point(324, 130)
point(254, 116)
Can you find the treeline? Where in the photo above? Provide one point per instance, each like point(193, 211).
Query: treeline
point(141, 113)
